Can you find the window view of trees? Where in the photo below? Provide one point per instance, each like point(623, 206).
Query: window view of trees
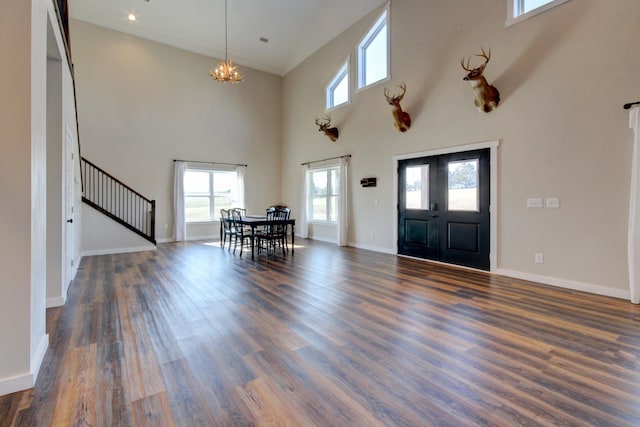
point(463, 174)
point(463, 185)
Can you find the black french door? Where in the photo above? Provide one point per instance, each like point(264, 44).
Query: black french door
point(443, 208)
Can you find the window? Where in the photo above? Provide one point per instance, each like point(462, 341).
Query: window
point(519, 10)
point(417, 187)
point(337, 92)
point(323, 194)
point(463, 193)
point(373, 53)
point(207, 191)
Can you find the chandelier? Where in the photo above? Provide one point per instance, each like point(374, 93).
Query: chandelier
point(226, 71)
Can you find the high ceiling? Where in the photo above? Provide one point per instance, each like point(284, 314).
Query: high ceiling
point(294, 28)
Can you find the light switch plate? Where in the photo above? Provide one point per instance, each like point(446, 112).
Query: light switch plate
point(534, 203)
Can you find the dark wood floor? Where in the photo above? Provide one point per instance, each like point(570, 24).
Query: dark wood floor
point(192, 335)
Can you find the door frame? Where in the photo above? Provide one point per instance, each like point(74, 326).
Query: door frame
point(493, 199)
point(69, 191)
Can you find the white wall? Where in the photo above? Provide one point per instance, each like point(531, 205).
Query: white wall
point(15, 192)
point(142, 104)
point(23, 174)
point(563, 77)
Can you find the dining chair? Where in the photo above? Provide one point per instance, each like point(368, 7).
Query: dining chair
point(241, 233)
point(228, 229)
point(273, 236)
point(286, 213)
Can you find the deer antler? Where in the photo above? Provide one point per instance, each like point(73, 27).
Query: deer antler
point(485, 56)
point(479, 69)
point(326, 122)
point(466, 68)
point(396, 98)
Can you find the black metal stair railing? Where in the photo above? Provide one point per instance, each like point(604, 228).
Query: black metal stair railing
point(118, 201)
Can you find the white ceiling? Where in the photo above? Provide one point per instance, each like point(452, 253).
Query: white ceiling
point(295, 28)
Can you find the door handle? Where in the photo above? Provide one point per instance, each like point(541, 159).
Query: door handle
point(70, 220)
point(434, 216)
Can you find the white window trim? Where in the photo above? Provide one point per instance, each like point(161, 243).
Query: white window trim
point(374, 29)
point(512, 9)
point(310, 171)
point(328, 91)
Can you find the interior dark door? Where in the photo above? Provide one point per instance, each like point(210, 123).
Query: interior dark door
point(418, 208)
point(443, 208)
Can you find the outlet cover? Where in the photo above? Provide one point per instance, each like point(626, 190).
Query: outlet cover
point(553, 202)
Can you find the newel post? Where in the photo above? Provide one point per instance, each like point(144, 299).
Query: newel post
point(634, 210)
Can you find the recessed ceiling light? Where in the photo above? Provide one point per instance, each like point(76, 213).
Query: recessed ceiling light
point(132, 17)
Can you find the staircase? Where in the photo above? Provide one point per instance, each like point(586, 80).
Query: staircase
point(118, 201)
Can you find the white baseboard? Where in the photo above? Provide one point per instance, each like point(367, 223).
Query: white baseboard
point(204, 237)
point(55, 302)
point(567, 284)
point(119, 250)
point(28, 380)
point(381, 249)
point(546, 280)
point(17, 383)
point(38, 356)
point(322, 239)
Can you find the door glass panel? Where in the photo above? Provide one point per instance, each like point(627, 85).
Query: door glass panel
point(463, 186)
point(417, 187)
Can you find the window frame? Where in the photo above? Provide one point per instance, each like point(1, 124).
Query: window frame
point(515, 7)
point(374, 30)
point(213, 210)
point(343, 72)
point(328, 196)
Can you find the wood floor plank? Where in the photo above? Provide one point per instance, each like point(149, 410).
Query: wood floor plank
point(194, 335)
point(153, 411)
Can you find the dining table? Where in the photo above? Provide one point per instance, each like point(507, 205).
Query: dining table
point(255, 221)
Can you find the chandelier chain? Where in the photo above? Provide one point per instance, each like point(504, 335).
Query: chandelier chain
point(226, 72)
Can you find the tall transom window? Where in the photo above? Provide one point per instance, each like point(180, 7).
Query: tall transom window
point(519, 10)
point(337, 91)
point(373, 53)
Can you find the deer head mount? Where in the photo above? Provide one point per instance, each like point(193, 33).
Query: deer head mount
point(487, 96)
point(323, 125)
point(402, 119)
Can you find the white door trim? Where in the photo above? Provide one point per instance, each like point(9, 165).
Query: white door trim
point(633, 241)
point(493, 202)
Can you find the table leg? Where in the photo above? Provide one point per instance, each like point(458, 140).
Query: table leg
point(253, 238)
point(293, 233)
